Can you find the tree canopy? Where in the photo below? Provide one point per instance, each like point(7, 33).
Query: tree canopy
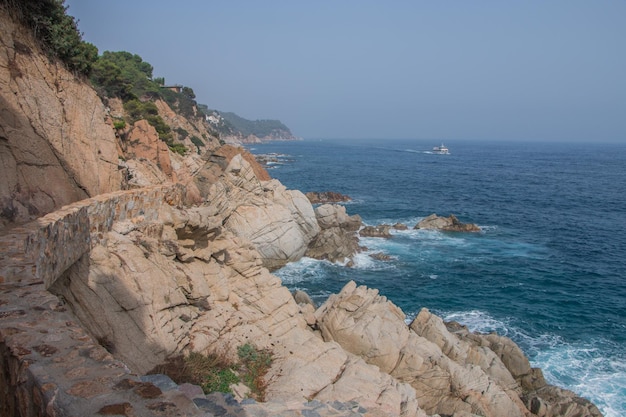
point(56, 31)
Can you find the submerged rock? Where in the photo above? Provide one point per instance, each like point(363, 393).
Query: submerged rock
point(325, 197)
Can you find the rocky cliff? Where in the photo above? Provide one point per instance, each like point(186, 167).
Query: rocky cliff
point(56, 146)
point(99, 292)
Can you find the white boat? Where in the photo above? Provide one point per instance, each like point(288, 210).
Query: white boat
point(441, 150)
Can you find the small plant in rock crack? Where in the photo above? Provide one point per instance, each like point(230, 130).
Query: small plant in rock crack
point(255, 363)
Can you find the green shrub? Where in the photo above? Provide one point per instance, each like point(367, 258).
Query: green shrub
point(56, 31)
point(197, 141)
point(137, 110)
point(215, 373)
point(219, 380)
point(179, 148)
point(182, 133)
point(119, 124)
point(254, 365)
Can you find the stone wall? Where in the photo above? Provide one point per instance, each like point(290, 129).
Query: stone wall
point(49, 365)
point(42, 250)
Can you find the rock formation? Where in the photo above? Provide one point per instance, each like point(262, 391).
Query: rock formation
point(448, 224)
point(452, 375)
point(382, 230)
point(185, 283)
point(144, 144)
point(337, 240)
point(55, 147)
point(326, 197)
point(280, 223)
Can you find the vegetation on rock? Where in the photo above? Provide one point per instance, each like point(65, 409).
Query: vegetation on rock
point(56, 32)
point(216, 373)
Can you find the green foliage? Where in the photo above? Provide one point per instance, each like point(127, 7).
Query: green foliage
point(183, 103)
point(56, 31)
point(188, 92)
point(254, 365)
point(219, 380)
point(137, 110)
point(197, 141)
point(107, 78)
point(215, 373)
point(182, 133)
point(119, 124)
point(124, 75)
point(179, 148)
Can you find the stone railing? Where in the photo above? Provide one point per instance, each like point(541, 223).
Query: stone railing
point(42, 250)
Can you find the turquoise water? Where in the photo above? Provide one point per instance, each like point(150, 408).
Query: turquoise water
point(547, 270)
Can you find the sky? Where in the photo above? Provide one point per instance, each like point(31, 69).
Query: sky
point(495, 70)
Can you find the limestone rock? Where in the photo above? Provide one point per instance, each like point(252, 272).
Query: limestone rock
point(448, 224)
point(337, 240)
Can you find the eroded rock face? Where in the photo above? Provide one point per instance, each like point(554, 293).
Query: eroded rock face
point(50, 154)
point(144, 143)
point(337, 240)
point(186, 283)
point(537, 395)
point(280, 223)
point(467, 375)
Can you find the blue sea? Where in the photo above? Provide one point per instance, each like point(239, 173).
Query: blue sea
point(548, 268)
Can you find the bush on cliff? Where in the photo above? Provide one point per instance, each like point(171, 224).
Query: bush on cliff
point(138, 110)
point(56, 31)
point(124, 75)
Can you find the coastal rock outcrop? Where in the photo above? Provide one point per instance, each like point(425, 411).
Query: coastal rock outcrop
point(280, 223)
point(382, 230)
point(448, 224)
point(457, 376)
point(185, 283)
point(337, 240)
point(148, 276)
point(326, 197)
point(541, 398)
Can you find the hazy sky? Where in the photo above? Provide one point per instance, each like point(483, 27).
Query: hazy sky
point(521, 70)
